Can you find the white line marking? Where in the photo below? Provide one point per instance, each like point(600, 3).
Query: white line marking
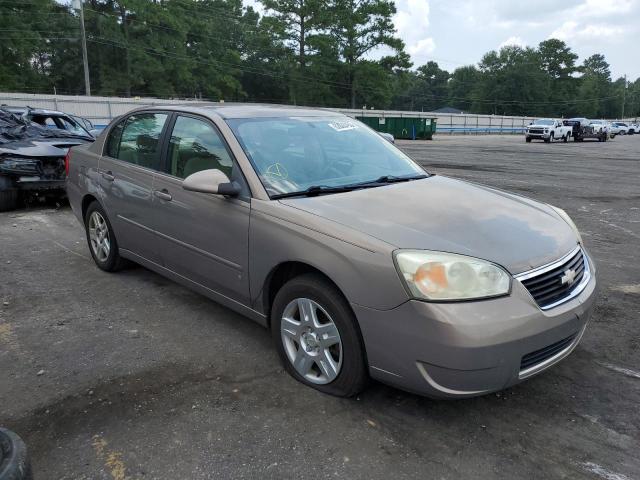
point(625, 230)
point(622, 370)
point(69, 250)
point(602, 472)
point(628, 288)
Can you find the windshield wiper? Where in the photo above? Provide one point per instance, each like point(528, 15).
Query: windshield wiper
point(385, 179)
point(322, 189)
point(315, 190)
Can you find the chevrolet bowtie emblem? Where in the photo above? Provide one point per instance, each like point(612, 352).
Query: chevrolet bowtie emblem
point(569, 277)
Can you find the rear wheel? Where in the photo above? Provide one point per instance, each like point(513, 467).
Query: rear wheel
point(317, 337)
point(101, 239)
point(8, 195)
point(565, 138)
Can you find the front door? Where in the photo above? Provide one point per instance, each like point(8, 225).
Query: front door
point(201, 236)
point(130, 161)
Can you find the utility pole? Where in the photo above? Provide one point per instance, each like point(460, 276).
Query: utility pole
point(624, 97)
point(77, 4)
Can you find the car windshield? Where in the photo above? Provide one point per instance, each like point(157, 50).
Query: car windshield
point(295, 154)
point(544, 121)
point(597, 122)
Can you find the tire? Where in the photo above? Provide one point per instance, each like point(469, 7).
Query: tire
point(14, 458)
point(548, 140)
point(309, 343)
point(527, 139)
point(613, 135)
point(107, 259)
point(8, 195)
point(565, 138)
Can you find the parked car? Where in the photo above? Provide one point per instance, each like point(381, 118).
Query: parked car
point(618, 128)
point(387, 136)
point(359, 261)
point(600, 126)
point(583, 128)
point(633, 128)
point(32, 157)
point(51, 119)
point(84, 122)
point(547, 129)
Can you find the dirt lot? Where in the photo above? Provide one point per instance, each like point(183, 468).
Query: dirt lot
point(114, 376)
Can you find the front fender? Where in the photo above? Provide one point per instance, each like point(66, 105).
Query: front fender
point(361, 267)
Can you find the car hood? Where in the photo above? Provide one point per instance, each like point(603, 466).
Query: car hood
point(40, 148)
point(443, 214)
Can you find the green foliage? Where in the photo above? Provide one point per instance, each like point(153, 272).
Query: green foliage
point(306, 52)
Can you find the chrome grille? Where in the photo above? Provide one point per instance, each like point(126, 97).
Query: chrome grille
point(536, 131)
point(558, 282)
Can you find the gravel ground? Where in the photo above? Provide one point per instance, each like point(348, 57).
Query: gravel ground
point(129, 376)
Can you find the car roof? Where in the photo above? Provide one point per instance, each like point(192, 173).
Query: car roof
point(247, 110)
point(35, 111)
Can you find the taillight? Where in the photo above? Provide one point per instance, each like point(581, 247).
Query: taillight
point(67, 159)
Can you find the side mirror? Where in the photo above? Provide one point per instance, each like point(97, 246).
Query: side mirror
point(211, 181)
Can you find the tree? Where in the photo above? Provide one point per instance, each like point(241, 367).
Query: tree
point(358, 27)
point(559, 63)
point(512, 82)
point(463, 87)
point(595, 86)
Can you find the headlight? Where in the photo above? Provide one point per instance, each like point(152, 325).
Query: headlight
point(565, 216)
point(447, 276)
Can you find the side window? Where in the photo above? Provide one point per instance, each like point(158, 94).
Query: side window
point(113, 140)
point(140, 140)
point(196, 145)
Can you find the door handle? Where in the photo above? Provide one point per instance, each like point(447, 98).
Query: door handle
point(108, 175)
point(163, 195)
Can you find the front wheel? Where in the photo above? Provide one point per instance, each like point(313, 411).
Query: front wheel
point(527, 139)
point(317, 337)
point(101, 239)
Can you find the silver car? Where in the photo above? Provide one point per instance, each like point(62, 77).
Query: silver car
point(362, 264)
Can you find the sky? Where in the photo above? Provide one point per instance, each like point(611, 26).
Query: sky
point(458, 32)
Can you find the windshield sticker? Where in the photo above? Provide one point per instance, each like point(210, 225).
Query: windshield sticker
point(343, 126)
point(277, 170)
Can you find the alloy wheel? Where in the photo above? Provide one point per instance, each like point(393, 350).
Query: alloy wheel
point(311, 341)
point(99, 236)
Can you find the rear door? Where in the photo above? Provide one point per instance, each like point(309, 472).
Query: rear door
point(131, 157)
point(202, 237)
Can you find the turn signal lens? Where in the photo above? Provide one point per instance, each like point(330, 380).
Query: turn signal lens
point(447, 276)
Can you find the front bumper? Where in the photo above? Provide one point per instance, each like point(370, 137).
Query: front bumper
point(45, 173)
point(465, 349)
point(538, 135)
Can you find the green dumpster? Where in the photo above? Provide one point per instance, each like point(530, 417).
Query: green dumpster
point(409, 128)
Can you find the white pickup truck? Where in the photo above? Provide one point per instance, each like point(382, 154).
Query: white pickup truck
point(547, 129)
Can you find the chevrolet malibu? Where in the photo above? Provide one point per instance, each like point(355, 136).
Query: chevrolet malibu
point(362, 264)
